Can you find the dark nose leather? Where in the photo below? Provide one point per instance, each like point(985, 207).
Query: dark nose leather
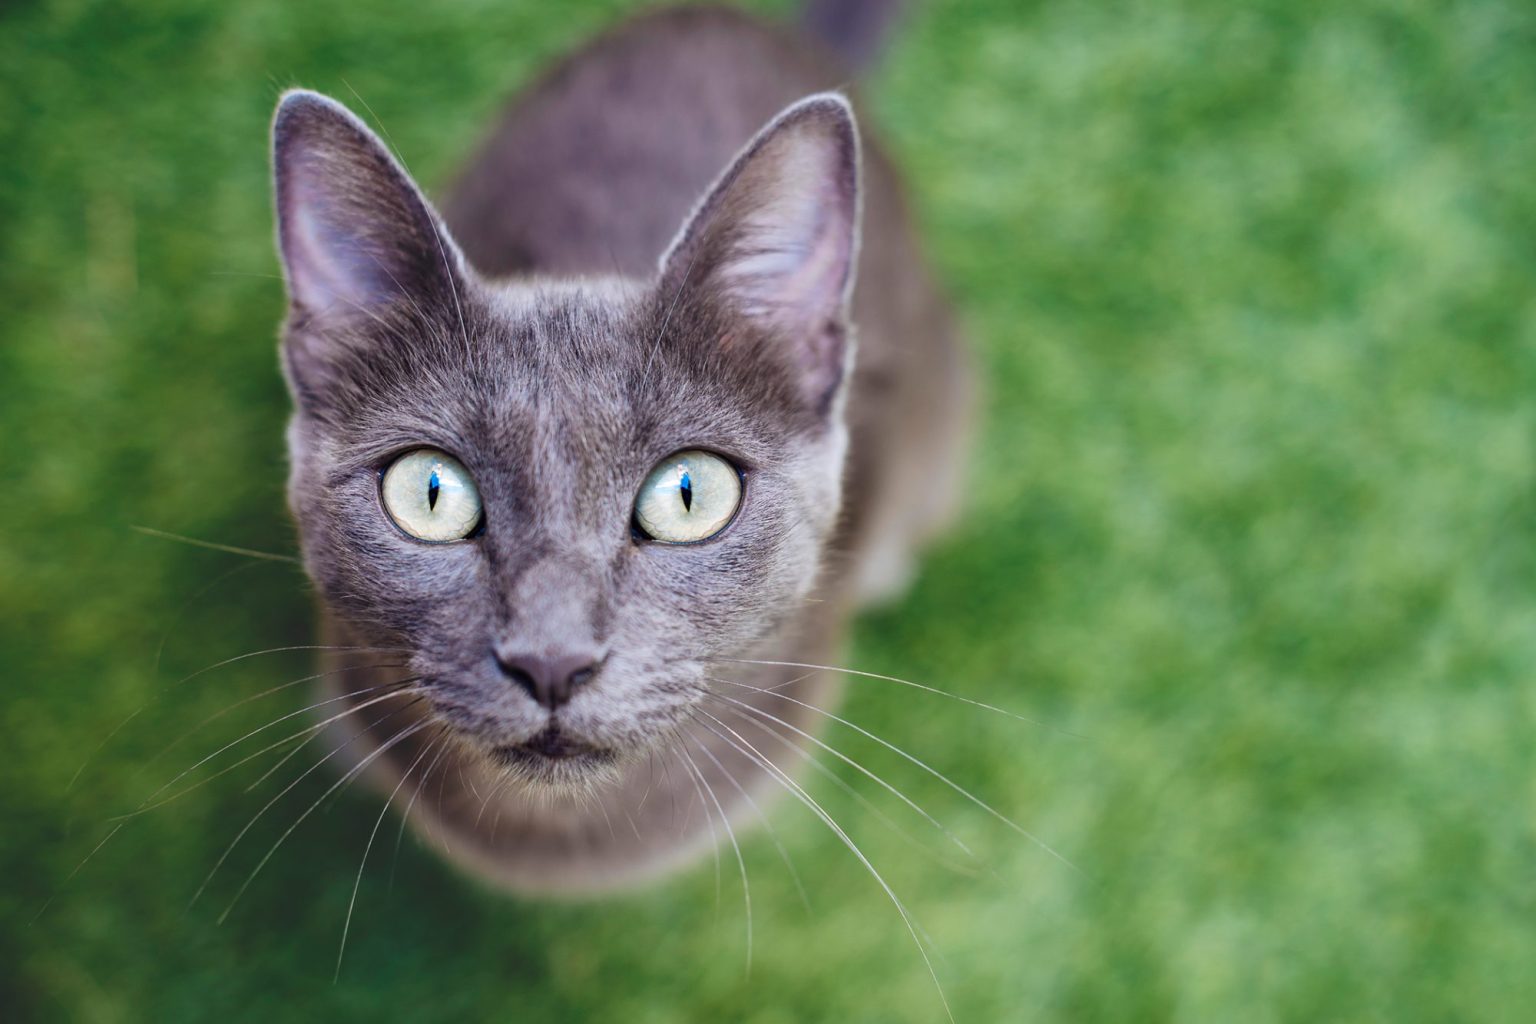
point(549, 679)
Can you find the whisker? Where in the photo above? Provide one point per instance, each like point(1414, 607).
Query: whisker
point(284, 792)
point(466, 783)
point(598, 800)
point(864, 802)
point(872, 809)
point(714, 838)
point(405, 686)
point(361, 649)
point(999, 815)
point(351, 774)
point(96, 750)
point(741, 864)
point(229, 549)
point(632, 826)
point(122, 820)
point(650, 779)
point(77, 869)
point(358, 882)
point(666, 777)
point(898, 794)
point(746, 748)
point(255, 697)
point(904, 682)
point(186, 679)
point(442, 748)
point(489, 796)
point(150, 803)
point(773, 834)
point(442, 833)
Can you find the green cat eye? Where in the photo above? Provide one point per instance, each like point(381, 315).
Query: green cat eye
point(431, 496)
point(689, 496)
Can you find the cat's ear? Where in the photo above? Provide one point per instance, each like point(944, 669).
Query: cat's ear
point(777, 235)
point(355, 233)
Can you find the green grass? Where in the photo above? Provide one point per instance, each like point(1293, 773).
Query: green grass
point(1252, 290)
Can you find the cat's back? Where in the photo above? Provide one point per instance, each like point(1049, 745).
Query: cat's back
point(593, 167)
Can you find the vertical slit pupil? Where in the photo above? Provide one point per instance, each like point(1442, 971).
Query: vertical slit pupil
point(434, 488)
point(685, 488)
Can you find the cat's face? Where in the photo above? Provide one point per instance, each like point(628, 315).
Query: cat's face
point(561, 501)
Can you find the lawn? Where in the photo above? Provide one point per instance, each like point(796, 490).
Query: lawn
point(1253, 290)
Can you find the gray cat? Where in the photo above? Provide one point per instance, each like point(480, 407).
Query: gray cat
point(589, 468)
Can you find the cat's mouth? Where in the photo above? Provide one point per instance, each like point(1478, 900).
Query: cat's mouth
point(550, 747)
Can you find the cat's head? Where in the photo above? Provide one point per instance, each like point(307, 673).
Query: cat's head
point(560, 500)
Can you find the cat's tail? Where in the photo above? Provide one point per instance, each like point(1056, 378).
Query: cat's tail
point(855, 30)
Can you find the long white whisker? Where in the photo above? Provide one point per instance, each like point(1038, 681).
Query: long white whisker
point(77, 869)
point(999, 815)
point(489, 796)
point(197, 596)
point(351, 774)
point(810, 802)
point(863, 802)
point(904, 682)
point(442, 748)
point(150, 803)
point(841, 757)
point(596, 800)
point(714, 838)
point(853, 794)
point(284, 792)
point(442, 833)
point(255, 697)
point(395, 688)
point(95, 751)
point(773, 834)
point(357, 883)
point(119, 821)
point(150, 531)
point(741, 864)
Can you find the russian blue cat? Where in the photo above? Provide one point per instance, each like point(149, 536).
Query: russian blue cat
point(593, 464)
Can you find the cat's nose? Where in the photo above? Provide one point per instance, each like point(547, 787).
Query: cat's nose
point(549, 679)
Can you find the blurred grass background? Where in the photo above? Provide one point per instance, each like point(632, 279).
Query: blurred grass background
point(1252, 289)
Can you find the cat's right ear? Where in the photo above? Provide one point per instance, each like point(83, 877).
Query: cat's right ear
point(356, 235)
point(776, 239)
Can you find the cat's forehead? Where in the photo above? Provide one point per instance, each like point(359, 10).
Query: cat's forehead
point(544, 335)
point(585, 364)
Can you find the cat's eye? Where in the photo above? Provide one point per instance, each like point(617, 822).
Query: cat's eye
point(431, 496)
point(689, 496)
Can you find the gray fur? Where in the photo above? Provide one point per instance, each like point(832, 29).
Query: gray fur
point(611, 306)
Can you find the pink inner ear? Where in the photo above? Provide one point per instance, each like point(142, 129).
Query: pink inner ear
point(791, 260)
point(777, 237)
point(321, 272)
point(355, 231)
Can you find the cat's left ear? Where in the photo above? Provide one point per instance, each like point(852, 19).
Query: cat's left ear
point(776, 238)
point(356, 234)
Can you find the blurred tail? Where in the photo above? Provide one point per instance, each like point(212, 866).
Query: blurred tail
point(855, 30)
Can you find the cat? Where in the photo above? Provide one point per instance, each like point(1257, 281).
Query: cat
point(592, 465)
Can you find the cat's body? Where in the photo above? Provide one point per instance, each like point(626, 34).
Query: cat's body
point(576, 366)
